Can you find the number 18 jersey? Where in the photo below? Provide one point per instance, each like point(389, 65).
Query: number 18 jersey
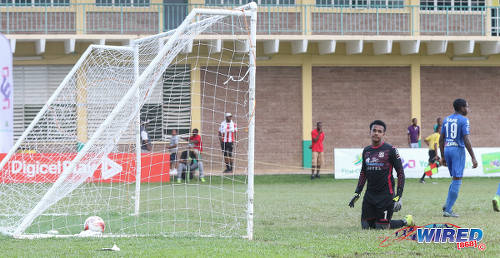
point(455, 126)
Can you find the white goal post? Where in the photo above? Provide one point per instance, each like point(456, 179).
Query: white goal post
point(83, 154)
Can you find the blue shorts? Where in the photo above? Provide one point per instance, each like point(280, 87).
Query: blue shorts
point(455, 160)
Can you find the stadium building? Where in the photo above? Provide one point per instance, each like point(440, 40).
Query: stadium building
point(342, 62)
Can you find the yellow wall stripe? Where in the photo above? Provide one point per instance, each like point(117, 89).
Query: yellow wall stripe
point(306, 98)
point(195, 99)
point(415, 92)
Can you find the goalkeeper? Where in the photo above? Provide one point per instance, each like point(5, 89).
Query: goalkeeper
point(380, 200)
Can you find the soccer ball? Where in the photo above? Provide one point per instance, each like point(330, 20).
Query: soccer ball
point(94, 224)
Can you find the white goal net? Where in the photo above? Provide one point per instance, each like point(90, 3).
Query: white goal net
point(102, 144)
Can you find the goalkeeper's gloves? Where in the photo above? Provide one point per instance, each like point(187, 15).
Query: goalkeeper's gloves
point(353, 200)
point(397, 203)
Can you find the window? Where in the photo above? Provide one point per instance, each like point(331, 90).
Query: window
point(477, 5)
point(33, 87)
point(362, 3)
point(169, 106)
point(152, 113)
point(35, 2)
point(177, 99)
point(23, 2)
point(174, 13)
point(495, 21)
point(58, 123)
point(427, 5)
point(242, 2)
point(444, 4)
point(104, 2)
point(122, 3)
point(452, 5)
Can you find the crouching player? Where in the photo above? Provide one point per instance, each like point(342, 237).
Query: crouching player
point(380, 201)
point(188, 163)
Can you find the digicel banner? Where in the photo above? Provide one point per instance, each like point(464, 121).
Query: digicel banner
point(117, 167)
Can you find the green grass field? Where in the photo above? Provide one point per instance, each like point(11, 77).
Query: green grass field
point(297, 217)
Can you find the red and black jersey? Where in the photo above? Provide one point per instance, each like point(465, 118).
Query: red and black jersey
point(378, 162)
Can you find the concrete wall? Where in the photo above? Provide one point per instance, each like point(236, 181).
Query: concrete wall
point(478, 85)
point(278, 115)
point(278, 134)
point(348, 99)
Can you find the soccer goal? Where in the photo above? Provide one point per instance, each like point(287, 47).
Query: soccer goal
point(85, 153)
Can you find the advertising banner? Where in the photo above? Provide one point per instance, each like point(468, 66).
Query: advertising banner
point(348, 163)
point(117, 167)
point(6, 96)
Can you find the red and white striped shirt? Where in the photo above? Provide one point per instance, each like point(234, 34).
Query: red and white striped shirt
point(228, 131)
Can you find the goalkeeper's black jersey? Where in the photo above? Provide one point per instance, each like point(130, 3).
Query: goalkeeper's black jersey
point(378, 163)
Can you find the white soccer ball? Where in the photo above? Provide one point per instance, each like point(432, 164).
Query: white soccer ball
point(94, 224)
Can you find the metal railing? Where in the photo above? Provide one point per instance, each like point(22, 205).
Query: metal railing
point(72, 18)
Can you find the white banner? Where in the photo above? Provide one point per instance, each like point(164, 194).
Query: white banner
point(6, 96)
point(348, 163)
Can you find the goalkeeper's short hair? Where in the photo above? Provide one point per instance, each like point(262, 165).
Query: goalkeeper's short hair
point(378, 122)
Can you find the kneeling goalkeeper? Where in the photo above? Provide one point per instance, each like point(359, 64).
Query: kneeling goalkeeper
point(380, 201)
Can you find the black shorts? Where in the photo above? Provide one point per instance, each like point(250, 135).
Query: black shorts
point(432, 154)
point(227, 148)
point(377, 209)
point(173, 157)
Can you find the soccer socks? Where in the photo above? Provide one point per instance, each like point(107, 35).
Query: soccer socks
point(452, 194)
point(398, 223)
point(312, 169)
point(498, 190)
point(317, 170)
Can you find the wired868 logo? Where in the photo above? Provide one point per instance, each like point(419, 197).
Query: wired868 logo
point(439, 233)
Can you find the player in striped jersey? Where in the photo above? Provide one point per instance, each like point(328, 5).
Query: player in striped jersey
point(227, 136)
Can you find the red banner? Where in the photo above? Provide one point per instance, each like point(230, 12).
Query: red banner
point(117, 167)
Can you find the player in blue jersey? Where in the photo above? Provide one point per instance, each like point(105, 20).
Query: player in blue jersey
point(454, 137)
point(496, 200)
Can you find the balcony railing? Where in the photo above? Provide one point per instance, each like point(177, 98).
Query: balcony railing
point(272, 19)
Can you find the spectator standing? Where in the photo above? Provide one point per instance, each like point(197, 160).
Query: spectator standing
point(317, 137)
point(195, 140)
point(227, 137)
point(145, 142)
point(174, 141)
point(413, 134)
